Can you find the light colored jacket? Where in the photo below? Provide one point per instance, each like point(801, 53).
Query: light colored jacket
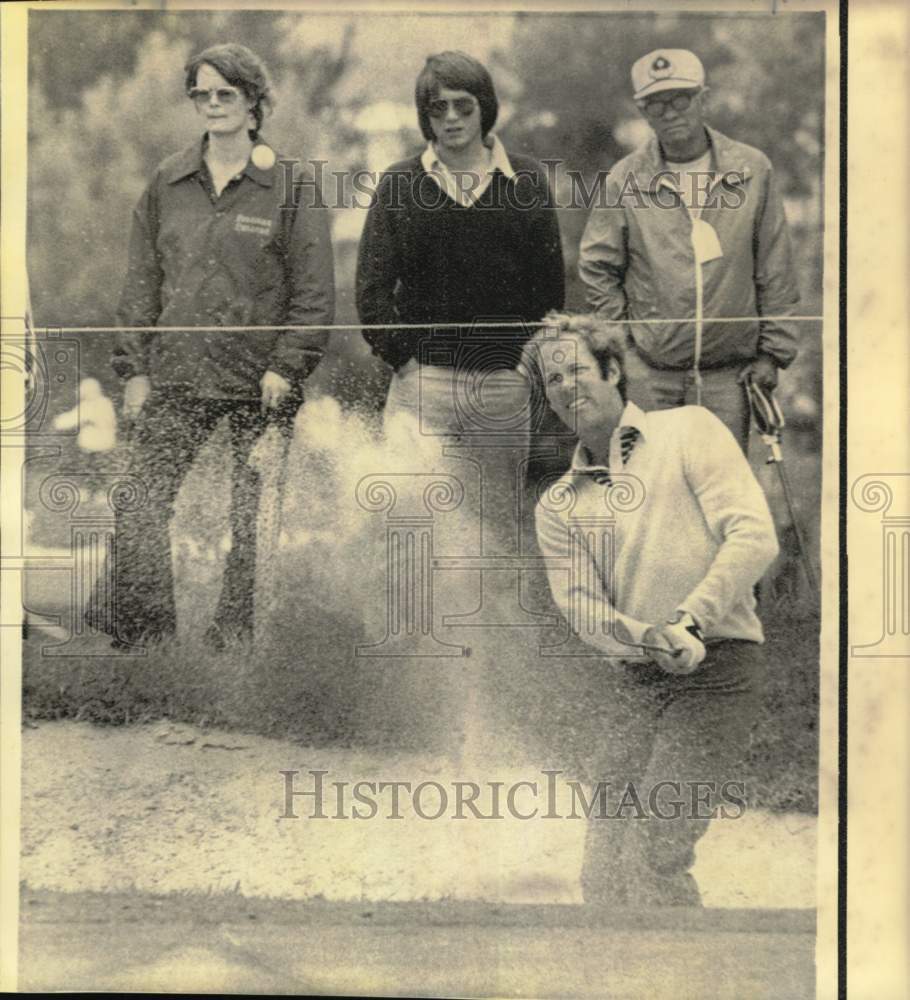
point(638, 261)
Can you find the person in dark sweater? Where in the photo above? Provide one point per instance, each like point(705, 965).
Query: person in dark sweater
point(462, 233)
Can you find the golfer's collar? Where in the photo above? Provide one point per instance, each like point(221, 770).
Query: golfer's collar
point(189, 161)
point(499, 158)
point(632, 416)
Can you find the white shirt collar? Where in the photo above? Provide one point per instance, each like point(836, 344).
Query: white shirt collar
point(632, 416)
point(499, 158)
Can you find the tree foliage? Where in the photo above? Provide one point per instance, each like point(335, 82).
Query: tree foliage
point(766, 75)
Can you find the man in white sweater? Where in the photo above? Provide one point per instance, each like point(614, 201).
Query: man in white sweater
point(660, 582)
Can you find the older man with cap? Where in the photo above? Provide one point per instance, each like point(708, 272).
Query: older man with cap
point(690, 244)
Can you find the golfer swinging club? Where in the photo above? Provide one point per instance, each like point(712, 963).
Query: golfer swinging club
point(685, 646)
point(216, 240)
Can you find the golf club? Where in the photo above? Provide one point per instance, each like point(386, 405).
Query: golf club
point(769, 420)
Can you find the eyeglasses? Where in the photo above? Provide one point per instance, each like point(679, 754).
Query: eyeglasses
point(657, 109)
point(463, 106)
point(225, 96)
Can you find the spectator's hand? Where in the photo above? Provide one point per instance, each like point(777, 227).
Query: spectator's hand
point(275, 388)
point(763, 371)
point(135, 393)
point(684, 650)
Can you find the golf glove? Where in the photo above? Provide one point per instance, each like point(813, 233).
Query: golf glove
point(683, 641)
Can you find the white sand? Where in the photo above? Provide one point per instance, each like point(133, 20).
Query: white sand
point(170, 808)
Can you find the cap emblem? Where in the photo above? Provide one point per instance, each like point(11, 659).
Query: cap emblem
point(660, 68)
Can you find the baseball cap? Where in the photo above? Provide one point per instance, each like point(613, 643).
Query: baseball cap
point(666, 69)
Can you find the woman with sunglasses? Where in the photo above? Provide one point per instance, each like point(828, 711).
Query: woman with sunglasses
point(217, 241)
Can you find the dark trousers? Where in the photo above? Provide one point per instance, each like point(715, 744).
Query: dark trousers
point(687, 731)
point(168, 434)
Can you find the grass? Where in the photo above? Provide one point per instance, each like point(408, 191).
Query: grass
point(305, 685)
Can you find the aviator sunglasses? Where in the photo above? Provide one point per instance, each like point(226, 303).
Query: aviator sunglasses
point(463, 106)
point(225, 96)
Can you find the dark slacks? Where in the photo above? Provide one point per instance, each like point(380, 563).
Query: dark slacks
point(168, 434)
point(676, 739)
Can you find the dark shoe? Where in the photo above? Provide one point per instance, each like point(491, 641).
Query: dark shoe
point(138, 640)
point(123, 636)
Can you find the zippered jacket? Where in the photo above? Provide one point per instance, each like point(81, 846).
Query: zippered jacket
point(638, 260)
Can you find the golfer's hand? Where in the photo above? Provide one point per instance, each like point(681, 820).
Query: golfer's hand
point(135, 393)
point(684, 650)
point(275, 388)
point(763, 371)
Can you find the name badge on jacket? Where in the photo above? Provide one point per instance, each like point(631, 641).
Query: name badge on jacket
point(253, 224)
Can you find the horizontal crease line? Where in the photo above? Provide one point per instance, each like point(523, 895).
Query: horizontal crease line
point(348, 327)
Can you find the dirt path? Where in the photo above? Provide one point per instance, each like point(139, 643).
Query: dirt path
point(164, 808)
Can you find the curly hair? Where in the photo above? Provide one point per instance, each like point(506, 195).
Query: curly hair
point(243, 69)
point(455, 71)
point(598, 335)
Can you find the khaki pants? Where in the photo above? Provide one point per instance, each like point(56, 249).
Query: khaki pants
point(662, 389)
point(475, 426)
point(480, 425)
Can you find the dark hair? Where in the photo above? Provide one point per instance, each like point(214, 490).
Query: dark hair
point(596, 334)
point(455, 71)
point(241, 68)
